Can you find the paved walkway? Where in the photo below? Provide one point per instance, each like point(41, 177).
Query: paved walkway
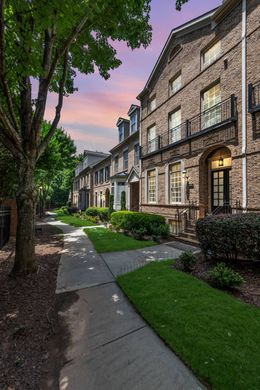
point(111, 347)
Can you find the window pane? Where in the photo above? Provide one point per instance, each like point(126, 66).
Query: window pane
point(175, 183)
point(175, 85)
point(211, 108)
point(152, 141)
point(151, 176)
point(152, 105)
point(174, 125)
point(211, 54)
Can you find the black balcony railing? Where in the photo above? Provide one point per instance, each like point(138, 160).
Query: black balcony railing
point(254, 97)
point(219, 114)
point(216, 116)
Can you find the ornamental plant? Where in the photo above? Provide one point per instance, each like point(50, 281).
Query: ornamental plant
point(225, 277)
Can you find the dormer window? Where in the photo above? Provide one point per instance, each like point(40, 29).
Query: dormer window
point(152, 104)
point(133, 120)
point(175, 51)
point(175, 84)
point(211, 54)
point(121, 132)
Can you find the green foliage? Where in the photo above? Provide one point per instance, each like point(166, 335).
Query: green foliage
point(230, 235)
point(225, 277)
point(123, 200)
point(111, 205)
point(104, 240)
point(211, 331)
point(140, 224)
point(101, 212)
point(75, 220)
point(188, 260)
point(8, 174)
point(179, 4)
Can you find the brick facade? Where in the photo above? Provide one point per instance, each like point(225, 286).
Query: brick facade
point(195, 150)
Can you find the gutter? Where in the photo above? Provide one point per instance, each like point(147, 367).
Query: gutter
point(244, 105)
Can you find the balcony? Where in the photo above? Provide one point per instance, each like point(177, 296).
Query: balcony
point(213, 118)
point(254, 97)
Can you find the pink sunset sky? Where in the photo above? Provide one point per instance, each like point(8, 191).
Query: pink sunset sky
point(90, 115)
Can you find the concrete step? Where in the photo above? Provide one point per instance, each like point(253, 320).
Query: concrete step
point(187, 240)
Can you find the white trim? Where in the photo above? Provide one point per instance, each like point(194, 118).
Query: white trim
point(167, 179)
point(156, 185)
point(244, 107)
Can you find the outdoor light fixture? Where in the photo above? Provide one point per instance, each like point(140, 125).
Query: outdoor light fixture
point(184, 173)
point(221, 162)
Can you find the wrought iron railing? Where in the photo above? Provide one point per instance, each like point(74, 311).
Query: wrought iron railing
point(254, 97)
point(187, 217)
point(220, 114)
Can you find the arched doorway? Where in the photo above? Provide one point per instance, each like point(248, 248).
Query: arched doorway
point(107, 194)
point(215, 180)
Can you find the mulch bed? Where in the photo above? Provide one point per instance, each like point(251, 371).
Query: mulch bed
point(28, 315)
point(249, 292)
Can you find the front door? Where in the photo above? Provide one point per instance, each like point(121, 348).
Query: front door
point(220, 190)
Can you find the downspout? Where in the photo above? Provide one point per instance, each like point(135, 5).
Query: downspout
point(140, 160)
point(244, 106)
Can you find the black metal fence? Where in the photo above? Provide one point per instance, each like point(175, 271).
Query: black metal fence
point(5, 220)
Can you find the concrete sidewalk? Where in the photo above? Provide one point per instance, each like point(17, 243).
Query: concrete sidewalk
point(110, 346)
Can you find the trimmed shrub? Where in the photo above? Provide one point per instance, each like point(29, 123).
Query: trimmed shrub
point(225, 277)
point(140, 224)
point(123, 200)
point(73, 210)
point(101, 212)
point(230, 236)
point(188, 260)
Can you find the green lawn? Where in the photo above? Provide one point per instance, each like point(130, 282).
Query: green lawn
point(217, 335)
point(104, 240)
point(72, 220)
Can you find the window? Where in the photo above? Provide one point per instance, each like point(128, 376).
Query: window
point(107, 173)
point(116, 163)
point(151, 186)
point(211, 109)
point(101, 199)
point(133, 120)
point(174, 52)
point(101, 176)
point(175, 126)
point(125, 158)
point(210, 55)
point(151, 138)
point(96, 199)
point(175, 183)
point(96, 178)
point(121, 132)
point(152, 104)
point(137, 154)
point(175, 84)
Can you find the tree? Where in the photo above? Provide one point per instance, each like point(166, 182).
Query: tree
point(46, 42)
point(179, 4)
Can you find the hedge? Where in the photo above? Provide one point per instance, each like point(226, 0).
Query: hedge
point(140, 224)
point(100, 212)
point(230, 236)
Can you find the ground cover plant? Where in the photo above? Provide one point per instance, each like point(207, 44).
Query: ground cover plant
point(74, 220)
point(216, 335)
point(105, 240)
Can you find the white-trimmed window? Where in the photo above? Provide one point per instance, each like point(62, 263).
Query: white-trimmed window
point(125, 159)
point(175, 182)
point(210, 55)
point(133, 120)
point(121, 132)
point(116, 162)
point(175, 126)
point(211, 107)
point(175, 84)
point(152, 104)
point(151, 139)
point(151, 186)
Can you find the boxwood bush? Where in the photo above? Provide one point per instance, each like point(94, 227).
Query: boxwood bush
point(140, 224)
point(230, 236)
point(225, 277)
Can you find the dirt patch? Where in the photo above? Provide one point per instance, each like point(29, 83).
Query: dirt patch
point(249, 292)
point(28, 316)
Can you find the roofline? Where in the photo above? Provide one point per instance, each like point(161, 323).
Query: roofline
point(120, 120)
point(224, 9)
point(131, 110)
point(108, 157)
point(124, 141)
point(200, 20)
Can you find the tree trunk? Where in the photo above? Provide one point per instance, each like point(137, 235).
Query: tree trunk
point(25, 234)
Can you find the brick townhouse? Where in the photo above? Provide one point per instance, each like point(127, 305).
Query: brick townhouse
point(125, 161)
point(101, 174)
point(82, 192)
point(200, 110)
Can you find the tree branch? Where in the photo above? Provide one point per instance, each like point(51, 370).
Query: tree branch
point(46, 140)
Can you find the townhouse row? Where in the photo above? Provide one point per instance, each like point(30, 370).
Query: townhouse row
point(193, 146)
